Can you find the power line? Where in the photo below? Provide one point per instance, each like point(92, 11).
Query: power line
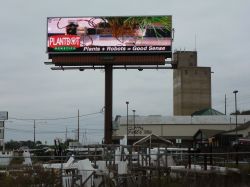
point(19, 130)
point(231, 102)
point(58, 118)
point(44, 131)
point(84, 128)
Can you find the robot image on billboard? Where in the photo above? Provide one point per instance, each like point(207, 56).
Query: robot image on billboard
point(109, 34)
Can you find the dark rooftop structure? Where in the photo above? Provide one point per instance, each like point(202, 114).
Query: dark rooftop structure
point(207, 112)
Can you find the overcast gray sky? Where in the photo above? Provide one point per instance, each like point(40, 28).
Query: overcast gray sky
point(29, 89)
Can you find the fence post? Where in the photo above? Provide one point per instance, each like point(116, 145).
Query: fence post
point(166, 157)
point(189, 158)
point(211, 154)
point(61, 171)
point(205, 161)
point(236, 155)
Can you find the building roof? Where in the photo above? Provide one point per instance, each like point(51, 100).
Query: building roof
point(153, 138)
point(239, 128)
point(208, 133)
point(164, 120)
point(207, 112)
point(244, 126)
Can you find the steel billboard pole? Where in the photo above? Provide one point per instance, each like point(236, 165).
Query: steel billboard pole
point(108, 104)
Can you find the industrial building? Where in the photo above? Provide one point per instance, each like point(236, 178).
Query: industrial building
point(179, 129)
point(191, 84)
point(192, 110)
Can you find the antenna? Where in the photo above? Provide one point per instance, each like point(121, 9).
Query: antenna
point(195, 43)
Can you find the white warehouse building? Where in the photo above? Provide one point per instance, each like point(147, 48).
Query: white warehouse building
point(176, 128)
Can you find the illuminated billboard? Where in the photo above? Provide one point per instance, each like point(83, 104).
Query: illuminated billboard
point(138, 34)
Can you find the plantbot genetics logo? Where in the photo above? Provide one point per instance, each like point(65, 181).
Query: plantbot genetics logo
point(64, 42)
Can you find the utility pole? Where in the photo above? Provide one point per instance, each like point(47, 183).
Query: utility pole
point(34, 132)
point(3, 137)
point(78, 129)
point(225, 104)
point(66, 134)
point(85, 137)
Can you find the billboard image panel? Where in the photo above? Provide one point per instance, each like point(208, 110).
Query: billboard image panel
point(140, 34)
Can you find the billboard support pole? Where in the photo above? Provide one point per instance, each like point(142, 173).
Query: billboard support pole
point(108, 104)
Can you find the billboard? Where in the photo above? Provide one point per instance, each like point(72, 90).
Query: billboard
point(3, 115)
point(88, 35)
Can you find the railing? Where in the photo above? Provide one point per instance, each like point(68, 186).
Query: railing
point(141, 163)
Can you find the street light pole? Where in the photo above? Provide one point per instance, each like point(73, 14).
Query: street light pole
point(236, 133)
point(134, 123)
point(127, 120)
point(78, 127)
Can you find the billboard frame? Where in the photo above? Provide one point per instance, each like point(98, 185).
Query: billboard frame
point(167, 52)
